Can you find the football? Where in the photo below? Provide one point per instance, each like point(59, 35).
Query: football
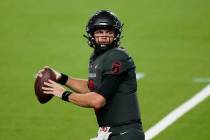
point(42, 77)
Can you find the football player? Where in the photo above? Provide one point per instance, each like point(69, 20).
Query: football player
point(111, 88)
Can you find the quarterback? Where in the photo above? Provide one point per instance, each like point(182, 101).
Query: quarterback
point(111, 87)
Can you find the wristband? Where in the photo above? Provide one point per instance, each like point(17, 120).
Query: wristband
point(63, 79)
point(65, 95)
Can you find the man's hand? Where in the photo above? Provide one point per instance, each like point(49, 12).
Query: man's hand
point(53, 88)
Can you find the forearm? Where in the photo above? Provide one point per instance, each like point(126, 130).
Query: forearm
point(88, 100)
point(77, 85)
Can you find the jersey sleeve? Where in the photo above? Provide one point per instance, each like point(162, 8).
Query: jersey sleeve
point(117, 62)
point(108, 88)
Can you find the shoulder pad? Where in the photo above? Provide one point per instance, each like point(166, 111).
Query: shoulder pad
point(117, 61)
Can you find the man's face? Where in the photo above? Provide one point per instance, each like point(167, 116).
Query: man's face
point(104, 36)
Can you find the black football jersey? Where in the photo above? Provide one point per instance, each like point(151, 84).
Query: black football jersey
point(122, 106)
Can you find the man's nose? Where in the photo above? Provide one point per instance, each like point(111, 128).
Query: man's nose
point(104, 33)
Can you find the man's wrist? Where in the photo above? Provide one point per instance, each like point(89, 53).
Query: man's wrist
point(65, 95)
point(63, 79)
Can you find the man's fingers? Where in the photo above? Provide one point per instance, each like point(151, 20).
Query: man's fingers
point(53, 82)
point(48, 84)
point(48, 92)
point(47, 89)
point(51, 92)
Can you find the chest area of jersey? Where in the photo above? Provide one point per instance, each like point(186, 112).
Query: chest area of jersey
point(95, 74)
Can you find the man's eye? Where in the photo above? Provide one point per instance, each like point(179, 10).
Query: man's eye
point(110, 32)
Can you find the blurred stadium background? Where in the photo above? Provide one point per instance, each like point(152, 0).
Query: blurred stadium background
point(169, 41)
